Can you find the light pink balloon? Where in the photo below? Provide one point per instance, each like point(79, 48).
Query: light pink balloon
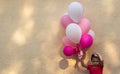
point(85, 25)
point(66, 41)
point(66, 20)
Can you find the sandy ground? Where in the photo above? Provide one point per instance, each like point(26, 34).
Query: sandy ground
point(31, 34)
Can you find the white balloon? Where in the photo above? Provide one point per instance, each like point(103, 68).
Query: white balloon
point(75, 10)
point(74, 32)
point(91, 32)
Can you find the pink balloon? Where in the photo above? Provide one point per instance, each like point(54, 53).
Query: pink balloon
point(68, 51)
point(66, 20)
point(85, 25)
point(86, 41)
point(66, 41)
point(77, 49)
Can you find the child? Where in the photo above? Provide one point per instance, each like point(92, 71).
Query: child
point(96, 66)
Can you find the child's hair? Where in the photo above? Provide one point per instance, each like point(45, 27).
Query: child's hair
point(95, 55)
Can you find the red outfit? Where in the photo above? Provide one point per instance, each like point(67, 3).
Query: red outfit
point(95, 69)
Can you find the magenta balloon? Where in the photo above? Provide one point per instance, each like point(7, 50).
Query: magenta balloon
point(66, 20)
point(86, 41)
point(68, 51)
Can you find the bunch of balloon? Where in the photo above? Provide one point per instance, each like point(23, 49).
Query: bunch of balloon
point(79, 36)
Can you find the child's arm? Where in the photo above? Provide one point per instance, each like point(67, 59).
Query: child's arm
point(82, 60)
point(101, 60)
point(102, 63)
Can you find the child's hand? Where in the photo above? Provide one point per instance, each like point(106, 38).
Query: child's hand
point(84, 51)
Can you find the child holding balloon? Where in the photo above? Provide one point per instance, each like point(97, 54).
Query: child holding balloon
point(96, 66)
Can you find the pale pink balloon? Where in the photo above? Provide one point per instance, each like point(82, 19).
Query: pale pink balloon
point(66, 41)
point(66, 20)
point(85, 25)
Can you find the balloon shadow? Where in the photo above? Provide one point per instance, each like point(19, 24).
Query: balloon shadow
point(63, 64)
